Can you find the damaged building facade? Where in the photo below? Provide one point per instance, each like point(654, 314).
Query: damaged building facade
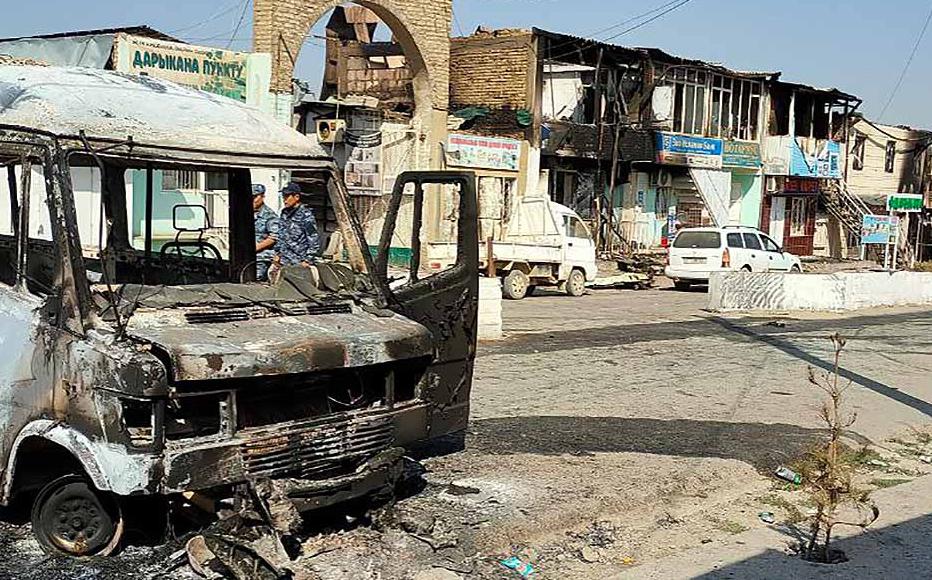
point(641, 142)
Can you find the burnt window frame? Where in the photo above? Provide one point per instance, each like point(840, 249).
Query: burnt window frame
point(889, 156)
point(857, 151)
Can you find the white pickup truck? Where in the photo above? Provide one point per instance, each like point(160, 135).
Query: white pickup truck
point(542, 244)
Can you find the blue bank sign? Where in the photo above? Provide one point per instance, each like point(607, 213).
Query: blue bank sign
point(688, 150)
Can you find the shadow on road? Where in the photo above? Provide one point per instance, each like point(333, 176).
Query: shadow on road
point(764, 446)
point(896, 551)
point(791, 349)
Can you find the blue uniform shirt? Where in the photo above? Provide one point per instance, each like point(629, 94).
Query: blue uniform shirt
point(298, 240)
point(266, 227)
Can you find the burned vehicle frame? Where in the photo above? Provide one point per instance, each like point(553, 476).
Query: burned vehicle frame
point(132, 372)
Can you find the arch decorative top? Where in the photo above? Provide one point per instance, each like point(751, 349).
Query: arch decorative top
point(422, 27)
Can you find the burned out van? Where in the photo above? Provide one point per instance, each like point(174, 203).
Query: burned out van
point(139, 366)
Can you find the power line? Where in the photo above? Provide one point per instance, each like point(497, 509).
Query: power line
point(670, 7)
point(456, 21)
point(909, 61)
point(629, 20)
point(238, 23)
point(206, 20)
point(648, 21)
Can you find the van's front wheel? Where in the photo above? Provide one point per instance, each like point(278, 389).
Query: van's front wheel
point(71, 517)
point(576, 283)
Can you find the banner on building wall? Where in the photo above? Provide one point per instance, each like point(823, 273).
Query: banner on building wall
point(878, 229)
point(741, 154)
point(701, 152)
point(222, 72)
point(483, 152)
point(824, 163)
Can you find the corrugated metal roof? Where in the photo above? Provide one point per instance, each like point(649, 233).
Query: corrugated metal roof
point(112, 106)
point(141, 30)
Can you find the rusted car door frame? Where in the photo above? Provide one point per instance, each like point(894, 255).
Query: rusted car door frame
point(446, 303)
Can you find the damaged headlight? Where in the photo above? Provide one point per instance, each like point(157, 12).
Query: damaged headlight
point(198, 416)
point(140, 420)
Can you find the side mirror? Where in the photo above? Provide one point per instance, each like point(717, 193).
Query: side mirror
point(190, 218)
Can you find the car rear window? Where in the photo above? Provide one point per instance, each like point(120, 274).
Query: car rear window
point(705, 240)
point(734, 241)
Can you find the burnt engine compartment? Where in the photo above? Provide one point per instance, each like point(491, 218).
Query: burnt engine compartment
point(308, 426)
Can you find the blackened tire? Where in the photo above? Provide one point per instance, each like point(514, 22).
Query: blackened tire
point(71, 517)
point(576, 283)
point(515, 285)
point(682, 285)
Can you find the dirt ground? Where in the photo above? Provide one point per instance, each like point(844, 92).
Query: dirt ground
point(610, 431)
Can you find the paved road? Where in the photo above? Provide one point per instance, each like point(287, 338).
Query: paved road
point(630, 423)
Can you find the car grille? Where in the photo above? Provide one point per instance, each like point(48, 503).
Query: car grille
point(316, 448)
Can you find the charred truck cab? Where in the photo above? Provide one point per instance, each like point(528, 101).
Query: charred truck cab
point(131, 368)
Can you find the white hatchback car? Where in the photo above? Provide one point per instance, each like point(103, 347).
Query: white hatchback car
point(697, 252)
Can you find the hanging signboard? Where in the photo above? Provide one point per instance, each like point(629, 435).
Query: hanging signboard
point(878, 229)
point(742, 154)
point(825, 163)
point(222, 72)
point(688, 150)
point(483, 152)
point(904, 202)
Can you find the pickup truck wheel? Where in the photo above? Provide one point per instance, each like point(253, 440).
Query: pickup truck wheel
point(576, 283)
point(70, 517)
point(796, 270)
point(515, 285)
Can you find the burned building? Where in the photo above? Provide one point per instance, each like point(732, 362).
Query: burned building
point(804, 151)
point(358, 64)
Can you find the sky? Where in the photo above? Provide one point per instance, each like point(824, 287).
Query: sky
point(859, 46)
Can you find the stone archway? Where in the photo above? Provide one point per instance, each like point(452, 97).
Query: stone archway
point(420, 26)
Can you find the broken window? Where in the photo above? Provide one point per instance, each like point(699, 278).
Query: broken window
point(689, 100)
point(857, 152)
point(37, 270)
point(735, 108)
point(889, 158)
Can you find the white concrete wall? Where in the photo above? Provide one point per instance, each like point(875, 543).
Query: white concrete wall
point(490, 308)
point(825, 292)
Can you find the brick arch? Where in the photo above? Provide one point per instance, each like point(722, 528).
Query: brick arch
point(421, 27)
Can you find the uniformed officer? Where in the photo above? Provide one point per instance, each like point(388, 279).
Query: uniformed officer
point(266, 231)
point(298, 240)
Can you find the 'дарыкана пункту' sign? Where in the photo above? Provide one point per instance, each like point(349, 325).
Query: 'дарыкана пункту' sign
point(209, 69)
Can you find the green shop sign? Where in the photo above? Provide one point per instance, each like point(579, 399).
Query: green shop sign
point(741, 154)
point(904, 202)
point(222, 72)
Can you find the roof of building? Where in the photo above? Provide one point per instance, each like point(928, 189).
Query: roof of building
point(828, 91)
point(565, 47)
point(112, 106)
point(141, 30)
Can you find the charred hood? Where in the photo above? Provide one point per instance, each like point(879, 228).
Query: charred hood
point(209, 344)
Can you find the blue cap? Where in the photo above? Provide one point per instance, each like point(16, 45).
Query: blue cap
point(291, 188)
point(258, 189)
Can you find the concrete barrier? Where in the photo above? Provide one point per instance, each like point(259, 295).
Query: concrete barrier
point(490, 309)
point(828, 292)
